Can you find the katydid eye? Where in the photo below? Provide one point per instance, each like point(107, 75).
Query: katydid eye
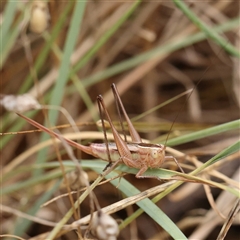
point(154, 153)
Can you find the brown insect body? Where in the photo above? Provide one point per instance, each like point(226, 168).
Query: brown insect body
point(136, 155)
point(142, 154)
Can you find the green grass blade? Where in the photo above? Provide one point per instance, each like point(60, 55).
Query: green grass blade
point(224, 153)
point(71, 40)
point(205, 133)
point(58, 92)
point(210, 32)
point(8, 17)
point(31, 182)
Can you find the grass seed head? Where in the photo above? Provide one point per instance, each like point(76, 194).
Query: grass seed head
point(104, 227)
point(19, 103)
point(39, 17)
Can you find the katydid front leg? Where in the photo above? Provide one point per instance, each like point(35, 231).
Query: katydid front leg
point(175, 160)
point(133, 132)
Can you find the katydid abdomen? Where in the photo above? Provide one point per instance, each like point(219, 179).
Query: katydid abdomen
point(142, 154)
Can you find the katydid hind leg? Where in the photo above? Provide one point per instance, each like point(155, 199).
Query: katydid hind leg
point(118, 106)
point(133, 132)
point(83, 148)
point(105, 135)
point(121, 145)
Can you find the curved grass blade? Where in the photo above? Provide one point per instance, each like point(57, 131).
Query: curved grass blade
point(205, 133)
point(207, 30)
point(224, 153)
point(59, 88)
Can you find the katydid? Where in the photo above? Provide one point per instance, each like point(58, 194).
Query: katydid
point(137, 154)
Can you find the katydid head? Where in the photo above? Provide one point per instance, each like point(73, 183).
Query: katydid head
point(157, 151)
point(155, 154)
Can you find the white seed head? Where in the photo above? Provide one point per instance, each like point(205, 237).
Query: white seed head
point(19, 103)
point(104, 227)
point(39, 17)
